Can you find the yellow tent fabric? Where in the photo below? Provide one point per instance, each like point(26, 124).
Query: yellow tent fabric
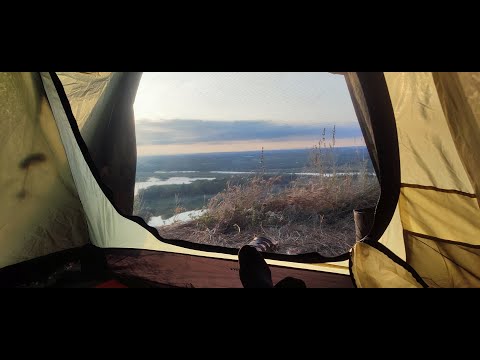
point(41, 212)
point(436, 228)
point(374, 269)
point(84, 90)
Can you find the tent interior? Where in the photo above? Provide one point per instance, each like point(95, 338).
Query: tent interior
point(68, 161)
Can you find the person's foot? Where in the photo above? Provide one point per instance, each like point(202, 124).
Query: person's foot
point(254, 271)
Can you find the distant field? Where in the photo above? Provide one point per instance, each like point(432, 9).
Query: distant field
point(276, 160)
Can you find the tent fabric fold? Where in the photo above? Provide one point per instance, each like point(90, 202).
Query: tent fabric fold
point(102, 104)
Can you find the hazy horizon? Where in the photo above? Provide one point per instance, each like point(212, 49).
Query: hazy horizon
point(362, 145)
point(187, 113)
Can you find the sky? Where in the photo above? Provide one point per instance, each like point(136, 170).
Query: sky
point(194, 112)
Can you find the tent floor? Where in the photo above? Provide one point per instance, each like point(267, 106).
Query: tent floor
point(180, 270)
point(92, 267)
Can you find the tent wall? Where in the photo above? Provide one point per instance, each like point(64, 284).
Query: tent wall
point(460, 98)
point(41, 211)
point(102, 104)
point(437, 219)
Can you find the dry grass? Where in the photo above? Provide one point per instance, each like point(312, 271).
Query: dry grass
point(314, 215)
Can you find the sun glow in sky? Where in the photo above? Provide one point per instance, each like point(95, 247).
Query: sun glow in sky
point(234, 111)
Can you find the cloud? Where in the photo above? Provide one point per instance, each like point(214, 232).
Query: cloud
point(237, 146)
point(149, 132)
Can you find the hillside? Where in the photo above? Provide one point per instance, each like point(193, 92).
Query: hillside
point(302, 200)
point(306, 216)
